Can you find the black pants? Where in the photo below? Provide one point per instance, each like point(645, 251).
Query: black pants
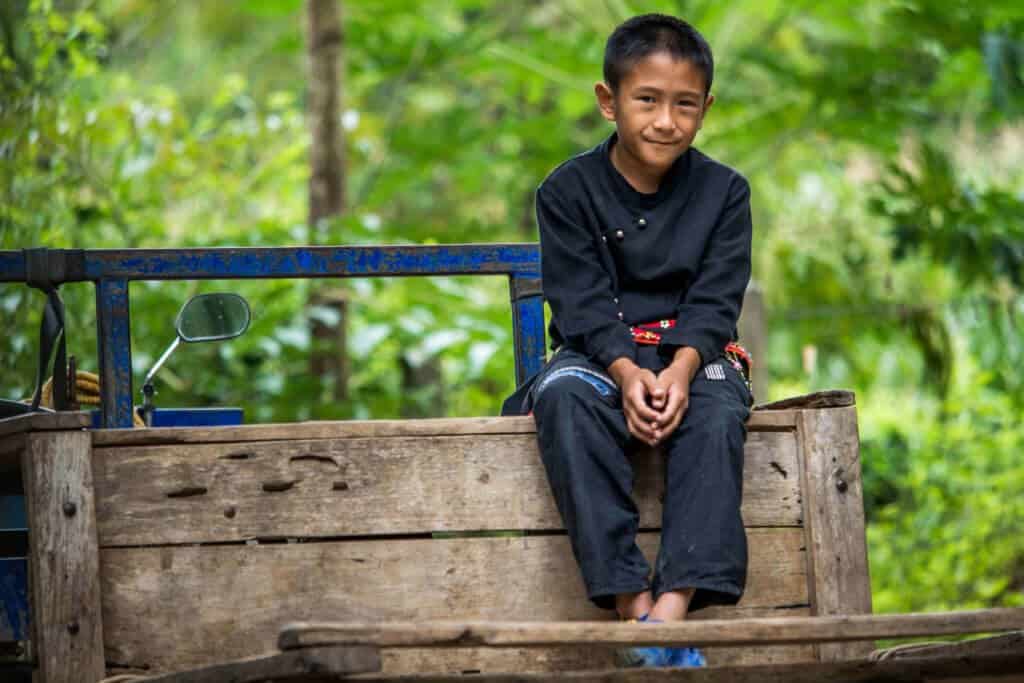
point(585, 443)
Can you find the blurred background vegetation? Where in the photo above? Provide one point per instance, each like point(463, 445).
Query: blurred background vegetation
point(883, 140)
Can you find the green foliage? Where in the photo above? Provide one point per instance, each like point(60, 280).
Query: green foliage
point(882, 142)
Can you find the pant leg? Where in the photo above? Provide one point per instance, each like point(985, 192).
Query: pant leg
point(703, 544)
point(582, 434)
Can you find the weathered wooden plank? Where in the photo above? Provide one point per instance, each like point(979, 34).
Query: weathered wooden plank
point(400, 485)
point(834, 518)
point(64, 568)
point(995, 668)
point(44, 422)
point(709, 632)
point(1006, 643)
point(818, 399)
point(328, 662)
point(569, 658)
point(361, 429)
point(175, 607)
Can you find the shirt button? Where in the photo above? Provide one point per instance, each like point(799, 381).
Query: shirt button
point(615, 299)
point(642, 222)
point(620, 315)
point(603, 238)
point(620, 235)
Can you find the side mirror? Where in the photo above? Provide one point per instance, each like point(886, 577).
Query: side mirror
point(213, 317)
point(204, 317)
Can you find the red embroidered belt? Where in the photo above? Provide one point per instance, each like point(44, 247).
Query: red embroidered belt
point(649, 333)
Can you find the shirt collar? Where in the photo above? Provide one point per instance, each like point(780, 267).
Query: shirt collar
point(676, 176)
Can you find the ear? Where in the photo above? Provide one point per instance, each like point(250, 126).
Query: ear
point(605, 100)
point(707, 106)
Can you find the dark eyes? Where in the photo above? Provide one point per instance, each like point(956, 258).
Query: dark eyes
point(649, 99)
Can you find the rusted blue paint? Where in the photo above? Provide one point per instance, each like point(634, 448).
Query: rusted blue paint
point(114, 342)
point(293, 262)
point(14, 609)
point(308, 262)
point(527, 324)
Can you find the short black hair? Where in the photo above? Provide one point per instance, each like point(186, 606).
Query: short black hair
point(647, 34)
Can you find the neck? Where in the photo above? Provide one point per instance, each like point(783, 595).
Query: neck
point(640, 178)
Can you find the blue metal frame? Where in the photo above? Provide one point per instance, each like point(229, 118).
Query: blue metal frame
point(112, 269)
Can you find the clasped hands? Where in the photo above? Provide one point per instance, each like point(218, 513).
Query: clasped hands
point(654, 405)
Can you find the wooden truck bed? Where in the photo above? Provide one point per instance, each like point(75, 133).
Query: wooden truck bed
point(163, 550)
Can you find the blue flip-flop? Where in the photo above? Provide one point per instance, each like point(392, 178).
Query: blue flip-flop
point(659, 656)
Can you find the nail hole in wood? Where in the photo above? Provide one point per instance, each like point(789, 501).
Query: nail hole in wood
point(315, 458)
point(187, 492)
point(277, 486)
point(237, 456)
point(340, 486)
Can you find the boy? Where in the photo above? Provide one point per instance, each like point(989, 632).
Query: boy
point(645, 247)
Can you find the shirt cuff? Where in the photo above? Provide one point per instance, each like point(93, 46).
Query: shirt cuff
point(703, 344)
point(614, 344)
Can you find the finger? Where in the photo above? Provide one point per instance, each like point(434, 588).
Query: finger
point(678, 418)
point(675, 399)
point(638, 434)
point(644, 412)
point(637, 426)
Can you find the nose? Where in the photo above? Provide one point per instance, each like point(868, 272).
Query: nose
point(663, 119)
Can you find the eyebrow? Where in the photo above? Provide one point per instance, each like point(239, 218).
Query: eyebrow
point(659, 91)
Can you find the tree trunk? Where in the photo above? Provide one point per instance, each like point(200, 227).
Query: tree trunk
point(327, 176)
point(328, 357)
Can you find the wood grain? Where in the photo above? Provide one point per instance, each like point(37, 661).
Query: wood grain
point(176, 607)
point(985, 668)
point(834, 518)
point(44, 422)
point(64, 569)
point(402, 485)
point(568, 658)
point(329, 662)
point(356, 429)
point(720, 632)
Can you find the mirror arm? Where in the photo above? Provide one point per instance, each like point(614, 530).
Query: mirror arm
point(163, 359)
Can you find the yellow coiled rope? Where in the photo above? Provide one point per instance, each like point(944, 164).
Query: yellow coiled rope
point(87, 392)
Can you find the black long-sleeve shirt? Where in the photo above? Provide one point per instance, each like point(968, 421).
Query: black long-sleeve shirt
point(612, 257)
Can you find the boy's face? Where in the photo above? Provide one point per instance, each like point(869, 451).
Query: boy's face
point(658, 108)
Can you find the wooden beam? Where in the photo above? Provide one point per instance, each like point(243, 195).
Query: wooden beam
point(40, 422)
point(987, 668)
point(719, 632)
point(833, 398)
point(354, 429)
point(329, 662)
point(328, 488)
point(1008, 643)
point(834, 520)
point(64, 570)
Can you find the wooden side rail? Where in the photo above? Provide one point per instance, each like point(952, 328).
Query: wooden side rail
point(711, 632)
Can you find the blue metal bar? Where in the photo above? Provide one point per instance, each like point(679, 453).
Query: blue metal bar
point(291, 262)
point(527, 324)
point(115, 352)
